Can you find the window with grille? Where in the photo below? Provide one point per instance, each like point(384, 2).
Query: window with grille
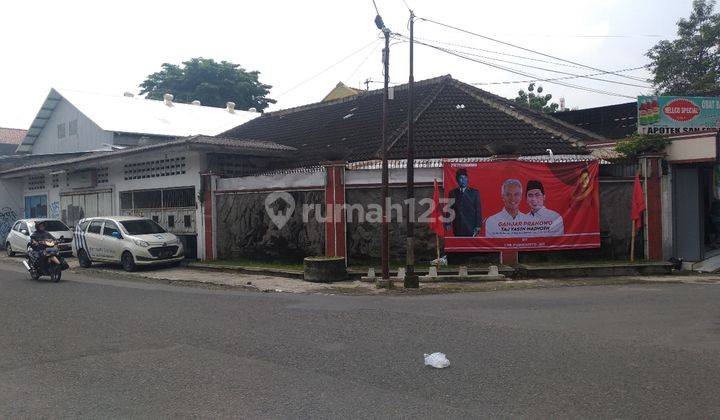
point(102, 176)
point(72, 128)
point(61, 131)
point(155, 168)
point(156, 199)
point(36, 182)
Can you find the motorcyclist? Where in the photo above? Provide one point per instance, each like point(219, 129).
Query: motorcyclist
point(38, 245)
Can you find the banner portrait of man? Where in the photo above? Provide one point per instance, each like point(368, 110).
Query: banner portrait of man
point(465, 202)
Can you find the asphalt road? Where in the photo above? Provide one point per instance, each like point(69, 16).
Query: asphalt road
point(113, 347)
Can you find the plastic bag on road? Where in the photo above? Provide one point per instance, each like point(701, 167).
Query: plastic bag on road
point(437, 360)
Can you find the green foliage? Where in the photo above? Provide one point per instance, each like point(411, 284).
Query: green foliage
point(637, 144)
point(691, 63)
point(536, 101)
point(210, 82)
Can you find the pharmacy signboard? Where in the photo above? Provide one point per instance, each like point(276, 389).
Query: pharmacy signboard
point(677, 114)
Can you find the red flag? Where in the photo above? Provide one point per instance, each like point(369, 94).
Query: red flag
point(436, 224)
point(638, 203)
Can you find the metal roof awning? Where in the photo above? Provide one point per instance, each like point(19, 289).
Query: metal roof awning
point(199, 143)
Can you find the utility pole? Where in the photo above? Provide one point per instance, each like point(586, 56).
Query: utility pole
point(385, 235)
point(411, 279)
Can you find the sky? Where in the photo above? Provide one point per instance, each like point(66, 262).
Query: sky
point(303, 48)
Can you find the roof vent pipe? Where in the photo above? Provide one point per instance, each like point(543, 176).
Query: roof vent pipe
point(128, 95)
point(196, 102)
point(230, 107)
point(168, 98)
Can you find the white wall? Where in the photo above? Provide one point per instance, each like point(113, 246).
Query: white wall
point(11, 206)
point(195, 163)
point(692, 148)
point(89, 136)
point(395, 176)
point(277, 181)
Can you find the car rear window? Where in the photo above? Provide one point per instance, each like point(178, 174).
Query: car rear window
point(142, 227)
point(54, 226)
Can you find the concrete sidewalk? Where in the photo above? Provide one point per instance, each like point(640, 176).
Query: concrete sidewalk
point(267, 283)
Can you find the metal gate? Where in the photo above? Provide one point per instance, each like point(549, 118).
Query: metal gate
point(688, 223)
point(173, 208)
point(76, 206)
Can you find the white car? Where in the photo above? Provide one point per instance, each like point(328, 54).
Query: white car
point(130, 241)
point(18, 238)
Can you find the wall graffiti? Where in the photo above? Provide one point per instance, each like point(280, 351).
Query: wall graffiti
point(7, 218)
point(54, 210)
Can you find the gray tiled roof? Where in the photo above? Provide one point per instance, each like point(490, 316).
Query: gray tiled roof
point(453, 119)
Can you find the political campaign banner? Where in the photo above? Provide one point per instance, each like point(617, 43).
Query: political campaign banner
point(677, 114)
point(521, 206)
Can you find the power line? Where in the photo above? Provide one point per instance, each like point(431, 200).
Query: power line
point(510, 82)
point(372, 51)
point(600, 91)
point(552, 70)
point(521, 48)
point(327, 68)
point(452, 44)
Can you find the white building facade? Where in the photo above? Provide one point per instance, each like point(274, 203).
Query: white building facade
point(94, 155)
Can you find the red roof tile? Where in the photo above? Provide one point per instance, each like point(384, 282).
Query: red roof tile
point(11, 135)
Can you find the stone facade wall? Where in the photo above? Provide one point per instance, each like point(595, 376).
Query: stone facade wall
point(363, 238)
point(245, 230)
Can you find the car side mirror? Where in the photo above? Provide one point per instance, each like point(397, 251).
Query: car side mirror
point(116, 235)
point(24, 232)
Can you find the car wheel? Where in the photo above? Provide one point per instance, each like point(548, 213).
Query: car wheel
point(9, 250)
point(83, 259)
point(128, 262)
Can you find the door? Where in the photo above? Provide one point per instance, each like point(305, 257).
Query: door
point(35, 206)
point(20, 237)
point(94, 240)
point(688, 221)
point(112, 245)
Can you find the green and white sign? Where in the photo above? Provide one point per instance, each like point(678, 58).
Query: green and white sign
point(677, 114)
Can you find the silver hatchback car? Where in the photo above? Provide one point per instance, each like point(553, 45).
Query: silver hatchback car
point(18, 238)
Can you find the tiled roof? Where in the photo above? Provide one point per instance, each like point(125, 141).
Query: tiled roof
point(453, 119)
point(11, 135)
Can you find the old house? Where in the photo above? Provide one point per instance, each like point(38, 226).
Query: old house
point(95, 155)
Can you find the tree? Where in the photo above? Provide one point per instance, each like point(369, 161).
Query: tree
point(210, 82)
point(691, 63)
point(538, 102)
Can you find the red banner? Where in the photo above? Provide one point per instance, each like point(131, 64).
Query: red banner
point(521, 206)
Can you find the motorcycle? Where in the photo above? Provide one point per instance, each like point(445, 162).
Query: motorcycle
point(50, 263)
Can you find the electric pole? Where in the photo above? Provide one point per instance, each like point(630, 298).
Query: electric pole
point(385, 235)
point(411, 279)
